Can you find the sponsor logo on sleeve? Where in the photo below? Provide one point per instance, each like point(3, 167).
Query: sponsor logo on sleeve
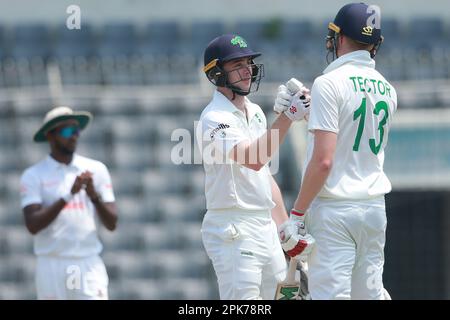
point(221, 126)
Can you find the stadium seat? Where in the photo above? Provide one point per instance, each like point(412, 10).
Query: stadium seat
point(133, 209)
point(122, 265)
point(297, 36)
point(139, 289)
point(174, 208)
point(190, 289)
point(296, 30)
point(112, 107)
point(22, 268)
point(8, 132)
point(203, 32)
point(127, 183)
point(176, 263)
point(163, 157)
point(9, 162)
point(78, 66)
point(116, 47)
point(429, 34)
point(126, 237)
point(165, 126)
point(31, 32)
point(16, 239)
point(252, 31)
point(132, 129)
point(132, 157)
point(10, 210)
point(164, 33)
point(2, 35)
point(30, 40)
point(121, 30)
point(190, 235)
point(156, 183)
point(26, 68)
point(64, 50)
point(197, 182)
point(432, 27)
point(392, 32)
point(158, 236)
point(74, 42)
point(98, 132)
point(13, 291)
point(76, 36)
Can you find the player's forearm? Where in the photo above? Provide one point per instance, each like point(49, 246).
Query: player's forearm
point(279, 214)
point(107, 213)
point(36, 220)
point(315, 177)
point(260, 152)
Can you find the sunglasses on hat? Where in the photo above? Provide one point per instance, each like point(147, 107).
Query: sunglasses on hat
point(67, 132)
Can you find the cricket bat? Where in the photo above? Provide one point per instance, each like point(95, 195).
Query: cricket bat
point(288, 289)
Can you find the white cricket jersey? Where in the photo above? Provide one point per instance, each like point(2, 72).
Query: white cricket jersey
point(356, 102)
point(74, 231)
point(227, 183)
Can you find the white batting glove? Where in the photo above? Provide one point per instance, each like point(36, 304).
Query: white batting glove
point(283, 99)
point(293, 99)
point(299, 108)
point(295, 86)
point(298, 219)
point(294, 239)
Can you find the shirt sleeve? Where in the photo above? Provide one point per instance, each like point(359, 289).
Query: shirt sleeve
point(222, 131)
point(103, 184)
point(324, 114)
point(30, 189)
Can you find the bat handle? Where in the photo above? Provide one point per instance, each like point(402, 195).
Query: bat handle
point(290, 278)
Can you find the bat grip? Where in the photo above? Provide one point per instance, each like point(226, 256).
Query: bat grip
point(290, 278)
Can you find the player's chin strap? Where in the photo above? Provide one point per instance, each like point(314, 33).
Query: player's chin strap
point(238, 91)
point(217, 76)
point(257, 74)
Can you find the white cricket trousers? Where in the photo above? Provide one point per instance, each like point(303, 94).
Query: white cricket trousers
point(71, 278)
point(246, 253)
point(347, 260)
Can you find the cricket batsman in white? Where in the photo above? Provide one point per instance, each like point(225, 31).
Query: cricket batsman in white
point(343, 185)
point(244, 203)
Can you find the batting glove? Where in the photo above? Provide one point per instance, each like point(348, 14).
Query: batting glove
point(293, 99)
point(294, 239)
point(298, 218)
point(299, 108)
point(283, 99)
point(295, 86)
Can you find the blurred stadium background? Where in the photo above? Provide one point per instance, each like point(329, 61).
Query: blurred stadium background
point(136, 65)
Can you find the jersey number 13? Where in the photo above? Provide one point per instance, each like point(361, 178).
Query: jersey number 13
point(361, 113)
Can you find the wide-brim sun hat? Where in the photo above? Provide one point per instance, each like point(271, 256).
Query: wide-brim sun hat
point(58, 115)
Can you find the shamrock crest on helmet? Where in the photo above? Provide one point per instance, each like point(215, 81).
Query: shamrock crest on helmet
point(239, 41)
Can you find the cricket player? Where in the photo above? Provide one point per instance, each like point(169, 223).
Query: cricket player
point(343, 186)
point(244, 203)
point(63, 196)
